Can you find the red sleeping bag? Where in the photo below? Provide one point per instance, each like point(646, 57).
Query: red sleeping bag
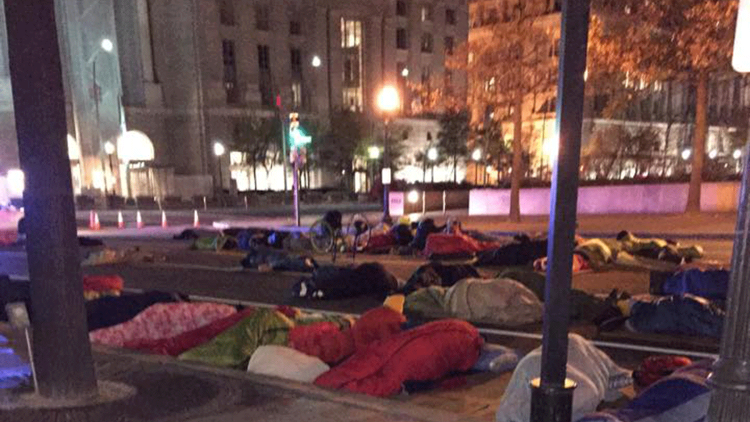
point(455, 244)
point(327, 342)
point(381, 243)
point(178, 344)
point(425, 353)
point(102, 283)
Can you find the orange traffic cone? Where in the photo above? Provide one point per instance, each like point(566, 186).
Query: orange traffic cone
point(138, 220)
point(120, 220)
point(97, 225)
point(196, 221)
point(164, 224)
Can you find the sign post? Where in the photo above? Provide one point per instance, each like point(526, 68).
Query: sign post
point(299, 141)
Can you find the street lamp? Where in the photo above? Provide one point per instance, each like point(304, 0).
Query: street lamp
point(219, 150)
point(373, 153)
point(388, 103)
point(405, 72)
point(686, 154)
point(316, 61)
point(737, 154)
point(107, 45)
point(712, 154)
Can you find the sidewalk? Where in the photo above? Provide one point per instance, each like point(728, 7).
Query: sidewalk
point(169, 390)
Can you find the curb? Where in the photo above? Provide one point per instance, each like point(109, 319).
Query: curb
point(684, 236)
point(388, 407)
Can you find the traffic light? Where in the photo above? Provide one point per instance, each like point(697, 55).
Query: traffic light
point(296, 135)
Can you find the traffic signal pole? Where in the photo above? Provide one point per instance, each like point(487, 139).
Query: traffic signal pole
point(61, 348)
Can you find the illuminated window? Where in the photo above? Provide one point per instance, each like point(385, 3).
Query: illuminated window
point(351, 46)
point(351, 33)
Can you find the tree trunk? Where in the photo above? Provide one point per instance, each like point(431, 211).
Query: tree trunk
point(255, 173)
point(455, 166)
point(699, 144)
point(517, 174)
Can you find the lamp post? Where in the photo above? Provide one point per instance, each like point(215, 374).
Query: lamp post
point(109, 149)
point(388, 102)
point(107, 46)
point(432, 155)
point(219, 151)
point(476, 156)
point(374, 154)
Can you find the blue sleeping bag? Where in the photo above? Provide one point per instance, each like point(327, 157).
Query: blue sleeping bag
point(679, 314)
point(711, 284)
point(680, 397)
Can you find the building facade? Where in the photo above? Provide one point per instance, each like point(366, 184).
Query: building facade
point(186, 73)
point(664, 109)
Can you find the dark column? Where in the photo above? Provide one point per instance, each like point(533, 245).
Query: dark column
point(730, 381)
point(62, 352)
point(552, 398)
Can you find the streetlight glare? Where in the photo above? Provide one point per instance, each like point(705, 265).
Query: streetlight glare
point(686, 153)
point(476, 155)
point(388, 99)
point(109, 148)
point(316, 61)
point(432, 154)
point(737, 154)
point(373, 153)
point(107, 45)
point(489, 169)
point(413, 197)
point(405, 72)
point(712, 154)
point(219, 149)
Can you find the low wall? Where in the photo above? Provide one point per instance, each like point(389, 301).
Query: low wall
point(402, 203)
point(626, 199)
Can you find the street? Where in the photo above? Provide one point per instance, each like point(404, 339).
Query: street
point(211, 276)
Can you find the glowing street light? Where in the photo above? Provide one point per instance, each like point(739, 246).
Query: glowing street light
point(388, 99)
point(432, 154)
point(712, 154)
point(373, 153)
point(413, 197)
point(316, 61)
point(489, 169)
point(109, 148)
point(737, 154)
point(405, 72)
point(686, 153)
point(476, 155)
point(219, 149)
point(107, 45)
